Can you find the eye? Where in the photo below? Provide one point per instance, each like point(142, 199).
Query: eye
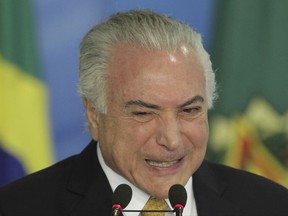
point(142, 116)
point(140, 113)
point(190, 112)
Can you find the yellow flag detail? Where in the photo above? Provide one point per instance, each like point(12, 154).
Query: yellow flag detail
point(24, 130)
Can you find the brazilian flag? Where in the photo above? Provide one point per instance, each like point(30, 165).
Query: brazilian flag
point(25, 142)
point(249, 126)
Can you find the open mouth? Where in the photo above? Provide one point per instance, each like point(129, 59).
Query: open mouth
point(162, 164)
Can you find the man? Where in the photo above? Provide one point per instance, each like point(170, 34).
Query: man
point(147, 84)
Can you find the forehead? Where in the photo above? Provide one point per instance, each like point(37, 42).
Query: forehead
point(143, 73)
point(132, 60)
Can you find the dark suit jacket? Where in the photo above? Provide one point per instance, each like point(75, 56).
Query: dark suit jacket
point(78, 186)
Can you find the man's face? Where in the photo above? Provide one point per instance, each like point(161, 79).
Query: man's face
point(155, 131)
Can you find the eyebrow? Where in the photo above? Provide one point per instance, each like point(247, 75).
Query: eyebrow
point(153, 106)
point(193, 100)
point(141, 104)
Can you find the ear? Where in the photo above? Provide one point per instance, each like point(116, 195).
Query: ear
point(92, 118)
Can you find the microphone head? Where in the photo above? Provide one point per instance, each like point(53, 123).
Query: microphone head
point(122, 195)
point(177, 195)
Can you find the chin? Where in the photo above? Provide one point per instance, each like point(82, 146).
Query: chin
point(160, 194)
point(159, 187)
point(161, 190)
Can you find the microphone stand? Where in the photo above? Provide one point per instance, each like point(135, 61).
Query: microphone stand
point(178, 208)
point(179, 211)
point(117, 209)
point(116, 212)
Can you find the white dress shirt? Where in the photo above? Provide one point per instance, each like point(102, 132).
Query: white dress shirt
point(139, 198)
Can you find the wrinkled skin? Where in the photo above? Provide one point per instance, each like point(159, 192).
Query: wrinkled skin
point(155, 130)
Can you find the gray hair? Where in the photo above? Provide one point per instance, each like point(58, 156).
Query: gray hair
point(143, 28)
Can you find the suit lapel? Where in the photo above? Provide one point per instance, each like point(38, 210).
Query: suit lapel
point(209, 191)
point(90, 194)
point(89, 184)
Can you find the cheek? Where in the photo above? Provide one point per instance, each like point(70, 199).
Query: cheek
point(123, 138)
point(141, 133)
point(197, 133)
point(125, 157)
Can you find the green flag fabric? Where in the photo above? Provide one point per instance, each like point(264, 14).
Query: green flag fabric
point(24, 126)
point(249, 125)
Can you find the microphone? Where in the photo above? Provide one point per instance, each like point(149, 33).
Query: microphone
point(121, 198)
point(178, 198)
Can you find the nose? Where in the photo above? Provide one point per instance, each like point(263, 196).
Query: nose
point(169, 132)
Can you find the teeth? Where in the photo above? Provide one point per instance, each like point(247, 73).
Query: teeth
point(162, 164)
